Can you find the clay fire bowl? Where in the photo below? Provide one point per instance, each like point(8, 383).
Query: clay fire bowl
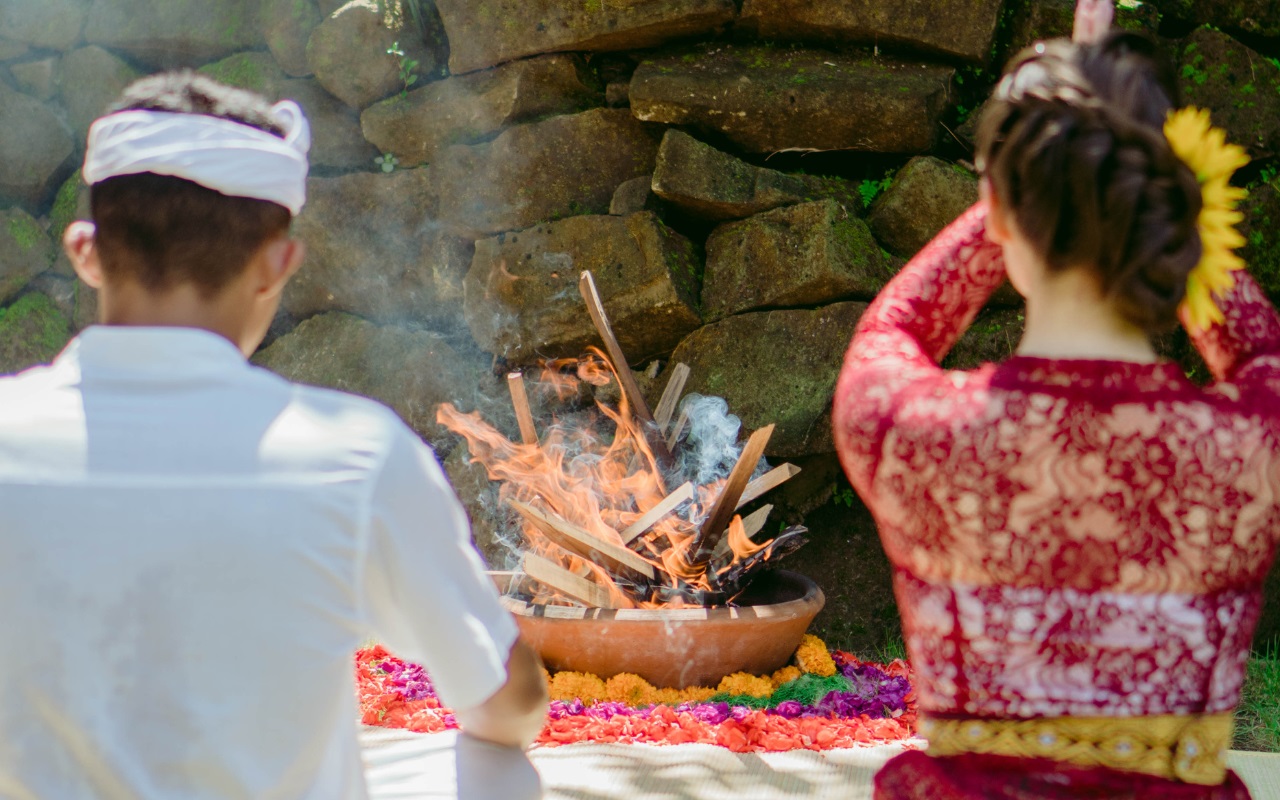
point(677, 648)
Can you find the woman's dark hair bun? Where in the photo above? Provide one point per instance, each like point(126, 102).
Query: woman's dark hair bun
point(1073, 144)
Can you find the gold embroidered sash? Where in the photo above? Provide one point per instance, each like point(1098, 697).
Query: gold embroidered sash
point(1189, 748)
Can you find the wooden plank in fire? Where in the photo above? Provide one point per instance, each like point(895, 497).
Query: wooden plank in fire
point(584, 543)
point(520, 401)
point(752, 524)
point(768, 482)
point(654, 515)
point(565, 582)
point(595, 307)
point(671, 396)
point(678, 429)
point(713, 527)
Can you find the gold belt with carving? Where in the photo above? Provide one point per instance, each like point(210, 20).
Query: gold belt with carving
point(1189, 748)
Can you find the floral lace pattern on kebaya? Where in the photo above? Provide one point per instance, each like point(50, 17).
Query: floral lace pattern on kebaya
point(1069, 536)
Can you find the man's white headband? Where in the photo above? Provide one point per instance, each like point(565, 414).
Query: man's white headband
point(237, 160)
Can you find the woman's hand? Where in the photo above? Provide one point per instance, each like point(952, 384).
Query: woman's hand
point(1093, 19)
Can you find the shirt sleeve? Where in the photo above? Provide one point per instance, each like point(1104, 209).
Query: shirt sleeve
point(906, 331)
point(1249, 337)
point(425, 591)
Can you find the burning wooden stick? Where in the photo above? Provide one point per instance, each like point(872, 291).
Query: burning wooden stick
point(713, 527)
point(678, 429)
point(524, 416)
point(562, 580)
point(671, 396)
point(587, 286)
point(768, 482)
point(668, 504)
point(752, 524)
point(583, 543)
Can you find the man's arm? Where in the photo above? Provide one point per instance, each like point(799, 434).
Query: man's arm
point(516, 713)
point(427, 598)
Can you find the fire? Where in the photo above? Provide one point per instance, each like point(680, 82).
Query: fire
point(602, 484)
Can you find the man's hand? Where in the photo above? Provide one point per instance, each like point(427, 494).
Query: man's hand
point(1093, 20)
point(516, 713)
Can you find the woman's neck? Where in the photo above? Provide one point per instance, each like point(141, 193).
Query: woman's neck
point(1068, 318)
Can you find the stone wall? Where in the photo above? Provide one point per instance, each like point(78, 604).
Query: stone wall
point(741, 175)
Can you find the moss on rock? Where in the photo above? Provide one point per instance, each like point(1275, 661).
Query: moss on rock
point(32, 331)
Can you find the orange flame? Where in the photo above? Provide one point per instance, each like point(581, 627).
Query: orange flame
point(597, 483)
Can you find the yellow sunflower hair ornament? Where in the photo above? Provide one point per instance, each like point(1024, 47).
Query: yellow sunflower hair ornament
point(1205, 150)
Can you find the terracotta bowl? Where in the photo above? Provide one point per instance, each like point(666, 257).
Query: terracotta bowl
point(677, 647)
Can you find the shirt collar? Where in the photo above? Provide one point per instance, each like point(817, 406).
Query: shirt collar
point(163, 352)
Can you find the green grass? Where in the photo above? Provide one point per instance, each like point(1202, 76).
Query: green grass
point(1258, 715)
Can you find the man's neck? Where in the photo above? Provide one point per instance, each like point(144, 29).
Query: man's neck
point(184, 306)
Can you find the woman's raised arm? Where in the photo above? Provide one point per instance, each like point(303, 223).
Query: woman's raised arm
point(907, 330)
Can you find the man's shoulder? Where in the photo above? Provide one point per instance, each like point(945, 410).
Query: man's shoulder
point(344, 414)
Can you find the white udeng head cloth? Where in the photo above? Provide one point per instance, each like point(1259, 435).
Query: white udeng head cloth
point(237, 160)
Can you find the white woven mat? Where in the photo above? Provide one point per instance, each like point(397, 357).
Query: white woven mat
point(404, 765)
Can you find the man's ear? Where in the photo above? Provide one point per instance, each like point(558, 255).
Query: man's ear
point(79, 241)
point(281, 258)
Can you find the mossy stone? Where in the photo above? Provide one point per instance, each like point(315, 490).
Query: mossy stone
point(802, 255)
point(25, 251)
point(775, 367)
point(257, 72)
point(32, 331)
point(483, 33)
point(1238, 85)
point(766, 99)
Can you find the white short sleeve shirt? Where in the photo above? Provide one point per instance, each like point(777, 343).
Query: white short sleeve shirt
point(191, 548)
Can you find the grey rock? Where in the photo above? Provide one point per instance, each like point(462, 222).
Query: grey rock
point(618, 94)
point(467, 108)
point(287, 26)
point(926, 195)
point(634, 196)
point(47, 24)
point(522, 298)
point(957, 30)
point(25, 251)
point(10, 50)
point(37, 78)
point(374, 252)
point(487, 32)
point(348, 52)
point(803, 255)
point(336, 141)
point(776, 367)
point(91, 80)
point(541, 171)
point(412, 371)
point(714, 185)
point(764, 99)
point(172, 33)
point(35, 149)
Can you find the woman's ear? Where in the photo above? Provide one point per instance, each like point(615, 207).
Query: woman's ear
point(79, 241)
point(998, 227)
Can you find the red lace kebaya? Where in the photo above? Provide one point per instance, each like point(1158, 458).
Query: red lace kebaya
point(1069, 537)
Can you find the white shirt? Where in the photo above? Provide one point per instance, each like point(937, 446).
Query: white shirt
point(191, 548)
